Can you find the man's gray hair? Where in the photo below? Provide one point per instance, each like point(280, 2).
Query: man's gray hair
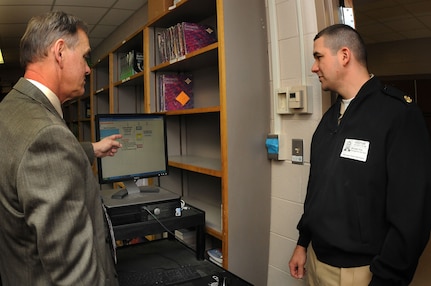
point(42, 31)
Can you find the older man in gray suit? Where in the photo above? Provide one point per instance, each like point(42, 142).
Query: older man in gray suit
point(52, 226)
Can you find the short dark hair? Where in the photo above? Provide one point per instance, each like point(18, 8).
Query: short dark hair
point(42, 31)
point(341, 35)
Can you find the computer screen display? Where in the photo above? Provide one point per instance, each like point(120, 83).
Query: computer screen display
point(144, 150)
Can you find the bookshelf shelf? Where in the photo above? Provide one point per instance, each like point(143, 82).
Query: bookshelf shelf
point(213, 218)
point(206, 56)
point(208, 166)
point(136, 79)
point(186, 10)
point(194, 110)
point(101, 90)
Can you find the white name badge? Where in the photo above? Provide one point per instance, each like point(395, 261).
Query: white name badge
point(355, 149)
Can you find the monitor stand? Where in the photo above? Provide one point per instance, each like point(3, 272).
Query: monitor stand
point(132, 188)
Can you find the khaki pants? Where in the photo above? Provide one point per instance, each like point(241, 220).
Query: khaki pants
point(321, 274)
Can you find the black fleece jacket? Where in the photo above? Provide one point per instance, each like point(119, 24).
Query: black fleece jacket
point(368, 197)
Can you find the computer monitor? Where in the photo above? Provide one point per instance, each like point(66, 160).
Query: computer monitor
point(144, 150)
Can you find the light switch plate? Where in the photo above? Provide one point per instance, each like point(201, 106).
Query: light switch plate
point(297, 151)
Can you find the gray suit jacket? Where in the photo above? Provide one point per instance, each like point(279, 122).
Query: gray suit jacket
point(52, 227)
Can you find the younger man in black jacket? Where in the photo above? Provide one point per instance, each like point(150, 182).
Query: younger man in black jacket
point(366, 215)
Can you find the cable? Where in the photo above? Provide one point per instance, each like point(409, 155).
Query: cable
point(151, 214)
point(183, 205)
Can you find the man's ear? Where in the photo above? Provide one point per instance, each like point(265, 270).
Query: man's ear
point(58, 49)
point(345, 55)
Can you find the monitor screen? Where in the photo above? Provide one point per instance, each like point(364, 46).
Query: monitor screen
point(144, 150)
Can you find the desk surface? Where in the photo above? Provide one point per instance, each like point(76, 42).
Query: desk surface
point(170, 254)
point(139, 198)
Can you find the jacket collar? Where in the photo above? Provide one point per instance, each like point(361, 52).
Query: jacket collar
point(28, 89)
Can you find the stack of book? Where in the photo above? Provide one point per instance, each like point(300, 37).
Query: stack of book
point(187, 236)
point(183, 38)
point(215, 255)
point(175, 91)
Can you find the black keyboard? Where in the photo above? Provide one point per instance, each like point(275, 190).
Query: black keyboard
point(159, 276)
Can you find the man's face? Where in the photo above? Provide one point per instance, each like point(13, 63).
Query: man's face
point(75, 68)
point(326, 65)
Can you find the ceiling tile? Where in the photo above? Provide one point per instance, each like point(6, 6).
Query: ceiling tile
point(86, 3)
point(96, 41)
point(26, 2)
point(372, 5)
point(417, 34)
point(374, 29)
point(426, 20)
point(116, 17)
point(102, 31)
point(130, 4)
point(363, 19)
point(406, 24)
point(419, 9)
point(12, 30)
point(408, 2)
point(388, 37)
point(390, 13)
point(90, 15)
point(20, 14)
